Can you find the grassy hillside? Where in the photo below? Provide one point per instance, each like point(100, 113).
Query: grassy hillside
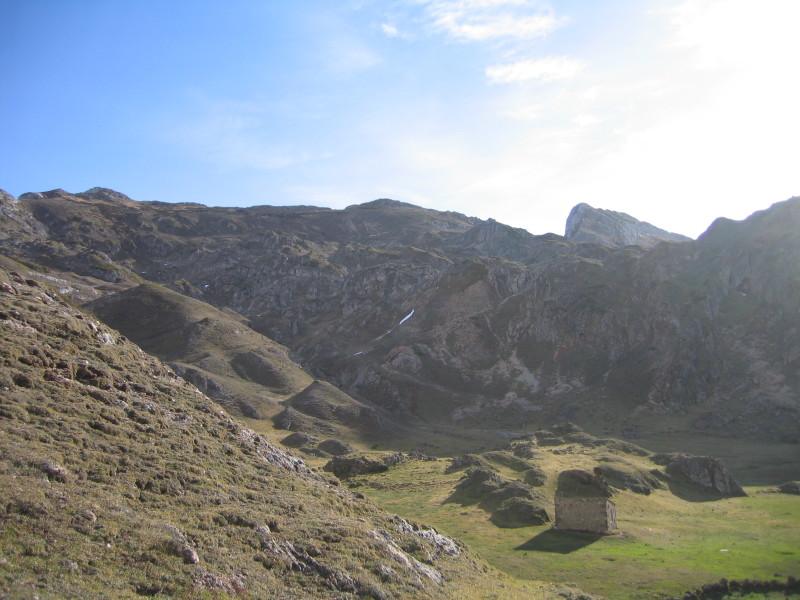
point(244, 371)
point(120, 480)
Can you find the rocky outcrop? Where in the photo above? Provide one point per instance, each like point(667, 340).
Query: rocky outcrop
point(335, 447)
point(510, 503)
point(298, 438)
point(350, 466)
point(534, 477)
point(464, 461)
point(630, 478)
point(725, 588)
point(705, 471)
point(586, 224)
point(18, 225)
point(519, 512)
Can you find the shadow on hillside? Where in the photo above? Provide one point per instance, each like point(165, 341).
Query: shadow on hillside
point(560, 542)
point(463, 498)
point(693, 493)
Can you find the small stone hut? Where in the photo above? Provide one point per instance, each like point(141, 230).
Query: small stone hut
point(583, 503)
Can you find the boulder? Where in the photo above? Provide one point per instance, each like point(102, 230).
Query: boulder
point(336, 448)
point(347, 466)
point(630, 478)
point(298, 439)
point(478, 482)
point(790, 487)
point(417, 455)
point(705, 471)
point(519, 512)
point(394, 459)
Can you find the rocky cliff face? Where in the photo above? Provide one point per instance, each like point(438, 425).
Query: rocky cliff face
point(440, 318)
point(586, 224)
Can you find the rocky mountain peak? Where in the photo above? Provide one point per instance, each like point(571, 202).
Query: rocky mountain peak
point(101, 193)
point(7, 199)
point(600, 226)
point(17, 225)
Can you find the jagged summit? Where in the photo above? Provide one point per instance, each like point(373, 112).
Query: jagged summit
point(600, 226)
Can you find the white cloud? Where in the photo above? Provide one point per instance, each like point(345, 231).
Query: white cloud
point(540, 69)
point(389, 30)
point(482, 20)
point(734, 32)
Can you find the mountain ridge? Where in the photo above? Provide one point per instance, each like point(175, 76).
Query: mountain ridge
point(508, 328)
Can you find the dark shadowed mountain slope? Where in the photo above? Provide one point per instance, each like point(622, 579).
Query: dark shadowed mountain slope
point(443, 319)
point(244, 371)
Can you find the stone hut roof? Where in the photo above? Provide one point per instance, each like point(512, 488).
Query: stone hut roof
point(576, 483)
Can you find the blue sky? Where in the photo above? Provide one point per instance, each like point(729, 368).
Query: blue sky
point(674, 111)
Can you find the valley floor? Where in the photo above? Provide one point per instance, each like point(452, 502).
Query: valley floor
point(668, 542)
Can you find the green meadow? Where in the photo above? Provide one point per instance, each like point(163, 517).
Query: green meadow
point(668, 542)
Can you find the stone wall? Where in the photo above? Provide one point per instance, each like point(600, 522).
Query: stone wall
point(594, 515)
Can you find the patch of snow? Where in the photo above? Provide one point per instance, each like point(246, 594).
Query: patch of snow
point(406, 318)
point(358, 354)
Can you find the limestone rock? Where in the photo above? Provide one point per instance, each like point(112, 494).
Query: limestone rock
point(706, 471)
point(599, 226)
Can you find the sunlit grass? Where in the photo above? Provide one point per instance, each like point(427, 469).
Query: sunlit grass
point(665, 546)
